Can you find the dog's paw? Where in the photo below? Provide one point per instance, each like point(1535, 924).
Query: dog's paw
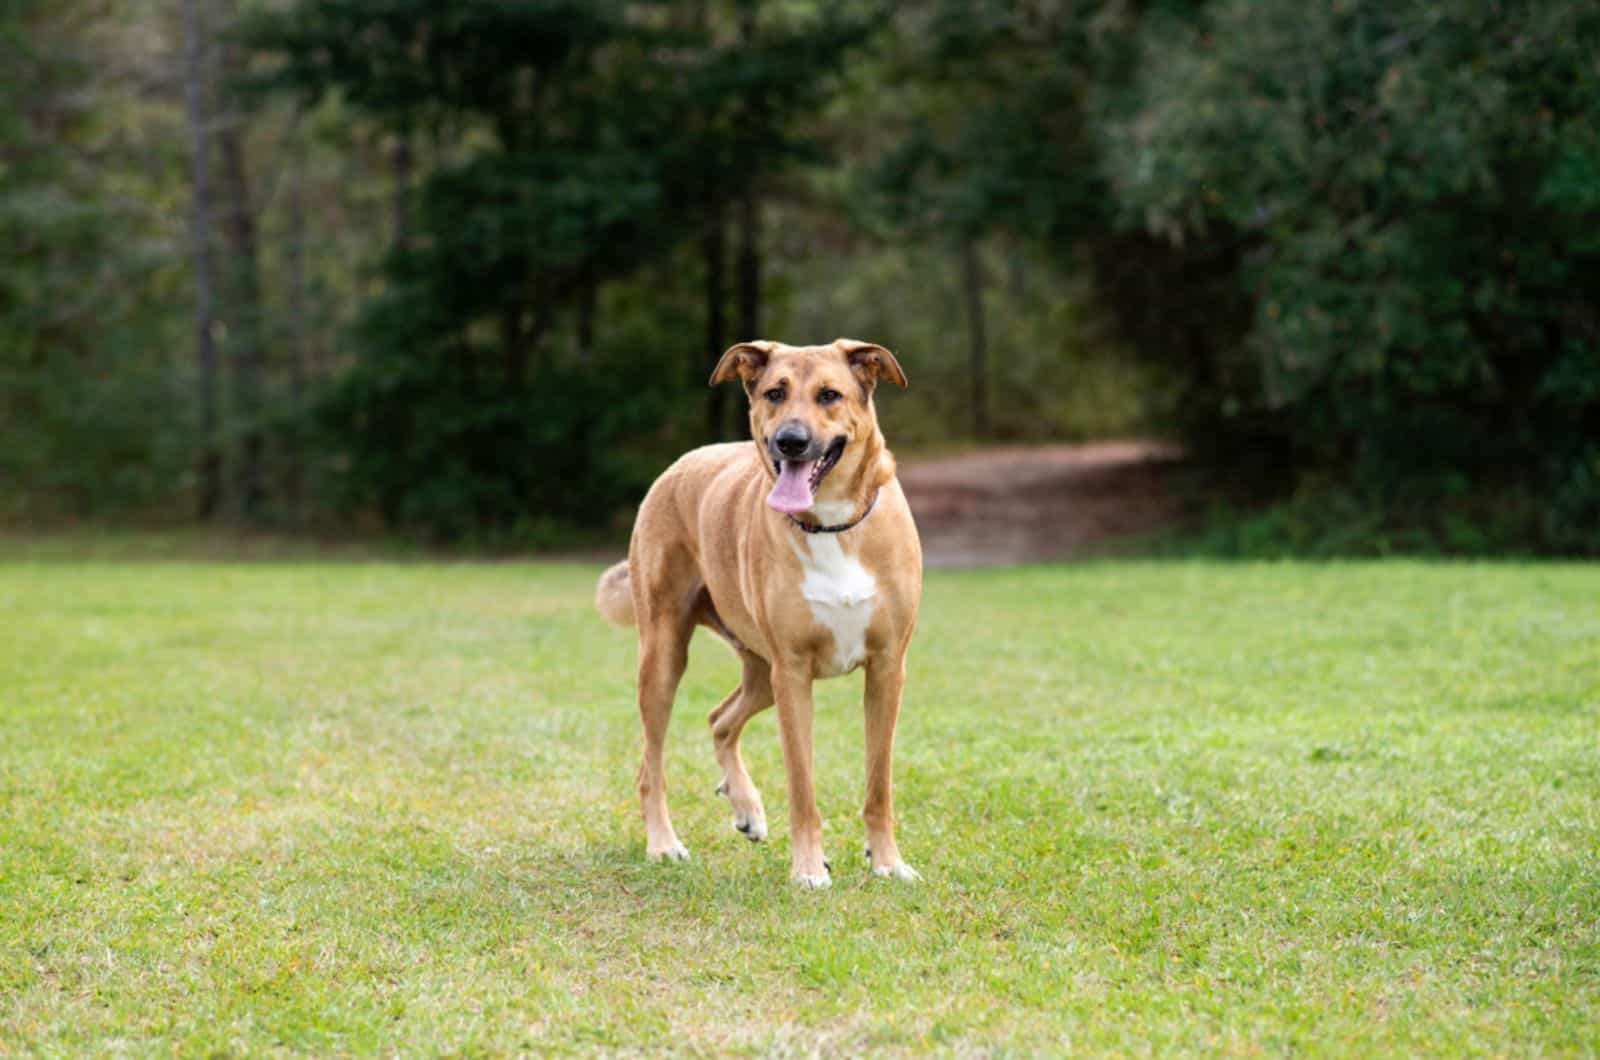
point(674, 851)
point(900, 871)
point(753, 826)
point(749, 819)
point(813, 883)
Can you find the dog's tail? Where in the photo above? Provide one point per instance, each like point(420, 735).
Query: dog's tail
point(613, 597)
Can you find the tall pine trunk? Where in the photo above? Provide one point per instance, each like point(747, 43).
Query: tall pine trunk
point(749, 265)
point(749, 202)
point(713, 255)
point(513, 347)
point(713, 248)
point(400, 166)
point(245, 339)
point(194, 92)
point(588, 303)
point(299, 352)
point(977, 335)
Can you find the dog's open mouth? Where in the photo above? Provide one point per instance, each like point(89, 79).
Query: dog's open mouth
point(796, 488)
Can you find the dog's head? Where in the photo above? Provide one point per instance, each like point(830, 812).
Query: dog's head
point(811, 415)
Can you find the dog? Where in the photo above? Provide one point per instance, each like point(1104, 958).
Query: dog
point(798, 549)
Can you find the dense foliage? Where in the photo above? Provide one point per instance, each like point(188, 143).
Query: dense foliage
point(1412, 190)
point(474, 258)
point(579, 142)
point(89, 392)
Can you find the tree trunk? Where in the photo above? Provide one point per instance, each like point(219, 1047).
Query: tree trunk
point(244, 302)
point(749, 266)
point(749, 205)
point(210, 465)
point(523, 332)
point(588, 299)
point(749, 259)
point(514, 346)
point(749, 280)
point(977, 339)
point(544, 314)
point(713, 249)
point(299, 355)
point(1019, 275)
point(400, 162)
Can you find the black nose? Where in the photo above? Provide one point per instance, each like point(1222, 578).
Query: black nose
point(792, 439)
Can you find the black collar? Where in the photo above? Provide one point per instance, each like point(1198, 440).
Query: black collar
point(813, 528)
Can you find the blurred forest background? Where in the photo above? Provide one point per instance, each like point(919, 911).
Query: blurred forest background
point(459, 268)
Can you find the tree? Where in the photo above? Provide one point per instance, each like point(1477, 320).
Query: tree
point(245, 313)
point(602, 138)
point(1410, 189)
point(90, 388)
point(195, 93)
point(989, 101)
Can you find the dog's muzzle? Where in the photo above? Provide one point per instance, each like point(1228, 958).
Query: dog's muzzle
point(792, 441)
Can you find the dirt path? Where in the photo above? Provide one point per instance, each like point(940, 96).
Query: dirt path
point(1026, 503)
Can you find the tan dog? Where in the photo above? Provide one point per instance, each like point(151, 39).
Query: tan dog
point(800, 552)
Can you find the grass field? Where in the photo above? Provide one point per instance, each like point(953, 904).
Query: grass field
point(362, 807)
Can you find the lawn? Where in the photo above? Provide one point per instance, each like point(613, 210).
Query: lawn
point(358, 807)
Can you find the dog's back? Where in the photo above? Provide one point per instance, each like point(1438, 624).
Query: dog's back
point(675, 497)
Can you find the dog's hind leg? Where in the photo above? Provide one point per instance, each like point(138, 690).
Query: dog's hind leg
point(666, 622)
point(753, 695)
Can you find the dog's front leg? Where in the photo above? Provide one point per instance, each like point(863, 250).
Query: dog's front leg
point(886, 676)
point(791, 682)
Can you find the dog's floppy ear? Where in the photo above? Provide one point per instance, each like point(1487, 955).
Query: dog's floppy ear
point(742, 360)
point(871, 362)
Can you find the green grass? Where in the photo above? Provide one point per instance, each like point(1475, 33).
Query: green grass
point(374, 807)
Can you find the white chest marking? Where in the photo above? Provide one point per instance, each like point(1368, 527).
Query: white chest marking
point(830, 512)
point(841, 594)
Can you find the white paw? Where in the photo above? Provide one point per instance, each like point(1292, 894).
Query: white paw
point(813, 883)
point(753, 826)
point(674, 851)
point(902, 871)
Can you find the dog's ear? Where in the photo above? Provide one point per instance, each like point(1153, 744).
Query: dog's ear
point(871, 362)
point(742, 360)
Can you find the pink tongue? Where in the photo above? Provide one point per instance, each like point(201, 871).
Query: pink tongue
point(792, 494)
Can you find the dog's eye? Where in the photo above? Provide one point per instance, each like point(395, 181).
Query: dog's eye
point(828, 396)
point(775, 395)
